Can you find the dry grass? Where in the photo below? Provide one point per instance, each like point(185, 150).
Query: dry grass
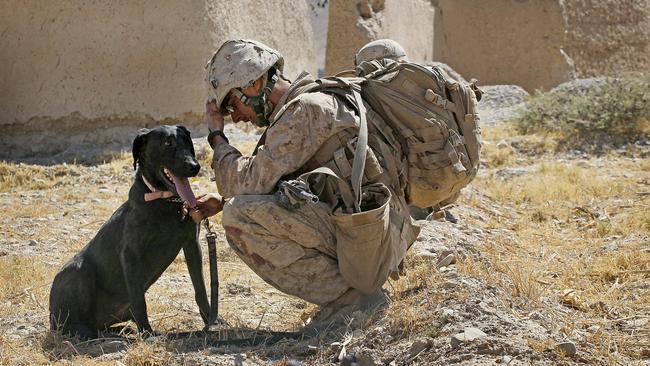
point(568, 234)
point(578, 236)
point(412, 310)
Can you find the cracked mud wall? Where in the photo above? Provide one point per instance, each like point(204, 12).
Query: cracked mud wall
point(353, 23)
point(94, 71)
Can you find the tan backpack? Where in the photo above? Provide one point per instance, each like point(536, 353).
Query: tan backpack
point(433, 116)
point(436, 118)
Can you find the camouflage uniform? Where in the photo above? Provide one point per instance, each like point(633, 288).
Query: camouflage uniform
point(295, 250)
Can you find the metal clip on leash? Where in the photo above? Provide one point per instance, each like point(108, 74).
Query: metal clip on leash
point(211, 238)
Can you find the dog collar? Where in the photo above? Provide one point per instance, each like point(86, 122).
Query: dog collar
point(155, 194)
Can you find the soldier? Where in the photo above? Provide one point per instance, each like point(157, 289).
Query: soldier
point(379, 49)
point(316, 251)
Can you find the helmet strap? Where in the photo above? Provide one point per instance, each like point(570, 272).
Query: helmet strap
point(261, 103)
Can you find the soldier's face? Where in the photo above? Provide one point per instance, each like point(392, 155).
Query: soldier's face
point(240, 111)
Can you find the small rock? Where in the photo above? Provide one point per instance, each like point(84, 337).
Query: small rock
point(365, 358)
point(95, 200)
point(103, 190)
point(568, 348)
point(33, 243)
point(3, 253)
point(446, 261)
point(593, 329)
point(447, 313)
point(470, 334)
point(427, 256)
point(449, 285)
point(417, 347)
point(503, 144)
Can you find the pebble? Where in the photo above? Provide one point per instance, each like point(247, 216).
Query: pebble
point(95, 200)
point(417, 347)
point(446, 261)
point(33, 243)
point(503, 144)
point(446, 313)
point(593, 329)
point(568, 348)
point(470, 334)
point(103, 190)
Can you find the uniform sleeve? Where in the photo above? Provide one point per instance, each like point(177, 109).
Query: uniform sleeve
point(292, 140)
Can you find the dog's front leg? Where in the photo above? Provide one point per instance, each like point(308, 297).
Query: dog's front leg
point(192, 252)
point(132, 268)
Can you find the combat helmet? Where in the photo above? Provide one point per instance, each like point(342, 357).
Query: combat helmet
point(238, 64)
point(381, 48)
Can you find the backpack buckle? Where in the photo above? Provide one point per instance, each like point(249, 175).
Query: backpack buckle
point(432, 97)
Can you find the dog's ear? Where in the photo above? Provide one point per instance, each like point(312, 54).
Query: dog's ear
point(138, 146)
point(182, 128)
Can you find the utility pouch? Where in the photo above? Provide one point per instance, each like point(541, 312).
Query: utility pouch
point(364, 240)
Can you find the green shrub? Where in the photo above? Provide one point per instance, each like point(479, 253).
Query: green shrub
point(613, 107)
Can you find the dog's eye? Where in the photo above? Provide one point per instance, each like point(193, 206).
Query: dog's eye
point(168, 142)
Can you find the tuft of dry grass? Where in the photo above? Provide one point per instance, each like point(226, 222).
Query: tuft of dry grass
point(148, 354)
point(412, 309)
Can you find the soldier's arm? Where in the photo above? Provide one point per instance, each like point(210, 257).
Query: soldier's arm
point(290, 142)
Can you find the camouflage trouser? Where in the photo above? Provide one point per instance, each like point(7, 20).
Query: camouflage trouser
point(293, 250)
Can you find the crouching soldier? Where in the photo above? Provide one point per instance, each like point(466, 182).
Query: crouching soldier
point(337, 249)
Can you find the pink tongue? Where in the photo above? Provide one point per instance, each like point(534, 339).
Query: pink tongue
point(184, 190)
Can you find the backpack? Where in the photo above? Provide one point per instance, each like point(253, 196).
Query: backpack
point(433, 116)
point(436, 119)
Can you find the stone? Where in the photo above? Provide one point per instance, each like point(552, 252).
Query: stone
point(567, 348)
point(446, 261)
point(417, 347)
point(470, 334)
point(593, 329)
point(32, 243)
point(366, 358)
point(447, 314)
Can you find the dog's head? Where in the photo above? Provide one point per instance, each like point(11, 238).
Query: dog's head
point(165, 157)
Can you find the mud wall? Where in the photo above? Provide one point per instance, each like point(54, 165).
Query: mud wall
point(503, 41)
point(95, 71)
point(608, 37)
point(353, 23)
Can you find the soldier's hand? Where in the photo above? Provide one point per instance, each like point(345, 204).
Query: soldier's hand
point(213, 116)
point(209, 205)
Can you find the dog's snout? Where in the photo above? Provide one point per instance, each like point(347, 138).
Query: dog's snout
point(193, 167)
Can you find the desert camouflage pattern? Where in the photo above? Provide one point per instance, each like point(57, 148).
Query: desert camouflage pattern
point(295, 250)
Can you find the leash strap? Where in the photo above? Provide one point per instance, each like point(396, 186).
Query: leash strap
point(211, 238)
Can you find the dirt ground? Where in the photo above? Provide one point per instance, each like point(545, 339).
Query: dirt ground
point(548, 262)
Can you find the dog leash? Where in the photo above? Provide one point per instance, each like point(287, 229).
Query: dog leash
point(211, 238)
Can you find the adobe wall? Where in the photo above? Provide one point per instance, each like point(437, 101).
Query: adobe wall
point(503, 41)
point(96, 71)
point(353, 23)
point(608, 37)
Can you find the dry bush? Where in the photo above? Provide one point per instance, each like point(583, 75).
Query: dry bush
point(615, 107)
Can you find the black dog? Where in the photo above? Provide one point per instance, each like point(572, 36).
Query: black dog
point(105, 283)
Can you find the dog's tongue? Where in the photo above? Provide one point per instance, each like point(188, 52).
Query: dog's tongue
point(184, 190)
